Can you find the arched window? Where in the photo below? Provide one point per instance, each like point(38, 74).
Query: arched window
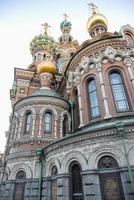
point(93, 99)
point(47, 122)
point(110, 180)
point(118, 91)
point(54, 172)
point(76, 120)
point(28, 122)
point(21, 175)
point(65, 125)
point(75, 182)
point(19, 185)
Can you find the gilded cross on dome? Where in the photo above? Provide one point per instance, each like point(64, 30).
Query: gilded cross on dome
point(45, 27)
point(93, 8)
point(65, 16)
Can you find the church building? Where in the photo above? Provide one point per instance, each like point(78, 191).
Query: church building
point(71, 132)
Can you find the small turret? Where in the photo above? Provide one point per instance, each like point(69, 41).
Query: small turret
point(67, 46)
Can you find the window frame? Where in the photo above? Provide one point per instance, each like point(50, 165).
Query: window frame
point(48, 123)
point(26, 123)
point(91, 117)
point(122, 83)
point(72, 164)
point(65, 123)
point(54, 187)
point(19, 185)
point(109, 171)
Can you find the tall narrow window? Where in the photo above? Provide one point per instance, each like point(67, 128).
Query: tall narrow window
point(54, 173)
point(47, 121)
point(19, 186)
point(65, 125)
point(118, 91)
point(75, 182)
point(93, 99)
point(28, 123)
point(76, 120)
point(110, 180)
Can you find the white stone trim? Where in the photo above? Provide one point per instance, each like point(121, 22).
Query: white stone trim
point(20, 166)
point(27, 108)
point(50, 163)
point(105, 150)
point(73, 156)
point(48, 107)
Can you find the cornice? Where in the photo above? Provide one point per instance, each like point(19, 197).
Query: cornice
point(97, 131)
point(27, 154)
point(41, 100)
point(23, 74)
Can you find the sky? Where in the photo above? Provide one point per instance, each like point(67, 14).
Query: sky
point(20, 21)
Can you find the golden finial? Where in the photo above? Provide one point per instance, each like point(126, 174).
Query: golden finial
point(65, 16)
point(45, 27)
point(93, 8)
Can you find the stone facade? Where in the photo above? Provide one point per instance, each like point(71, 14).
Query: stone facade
point(57, 127)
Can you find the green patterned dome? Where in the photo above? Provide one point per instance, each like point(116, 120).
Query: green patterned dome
point(65, 24)
point(44, 41)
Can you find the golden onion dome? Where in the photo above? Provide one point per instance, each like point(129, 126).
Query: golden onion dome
point(46, 66)
point(96, 19)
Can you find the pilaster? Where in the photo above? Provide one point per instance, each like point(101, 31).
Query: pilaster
point(79, 100)
point(128, 64)
point(103, 91)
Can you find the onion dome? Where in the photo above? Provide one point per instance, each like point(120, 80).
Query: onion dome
point(96, 19)
point(44, 42)
point(46, 67)
point(65, 26)
point(97, 23)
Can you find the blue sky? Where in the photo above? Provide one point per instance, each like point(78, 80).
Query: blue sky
point(20, 21)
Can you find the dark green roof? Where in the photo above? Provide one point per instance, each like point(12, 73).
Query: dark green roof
point(64, 24)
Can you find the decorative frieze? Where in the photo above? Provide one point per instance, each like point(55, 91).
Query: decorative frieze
point(24, 83)
point(23, 73)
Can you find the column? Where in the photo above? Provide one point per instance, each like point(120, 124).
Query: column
point(16, 128)
point(61, 126)
point(128, 65)
point(20, 126)
point(69, 124)
point(40, 125)
point(55, 126)
point(102, 86)
point(33, 125)
point(72, 116)
point(79, 100)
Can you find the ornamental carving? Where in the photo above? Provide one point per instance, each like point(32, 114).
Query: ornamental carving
point(18, 167)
